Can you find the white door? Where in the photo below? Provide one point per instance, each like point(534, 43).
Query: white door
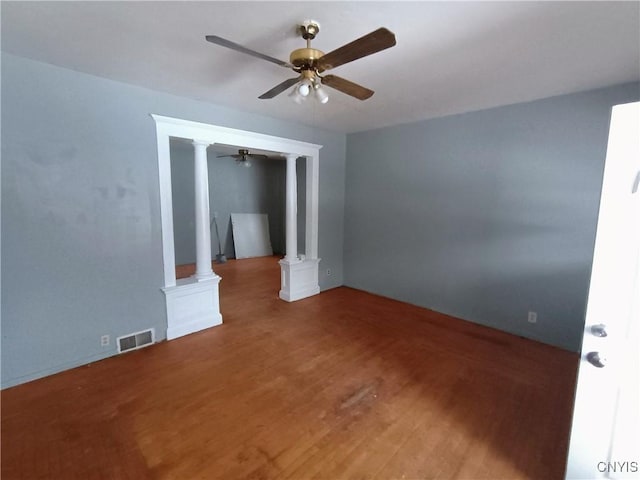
point(606, 428)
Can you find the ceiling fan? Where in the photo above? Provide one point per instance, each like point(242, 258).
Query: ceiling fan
point(310, 63)
point(243, 157)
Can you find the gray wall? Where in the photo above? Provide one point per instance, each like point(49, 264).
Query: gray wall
point(486, 215)
point(81, 251)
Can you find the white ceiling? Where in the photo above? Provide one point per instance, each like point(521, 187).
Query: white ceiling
point(450, 57)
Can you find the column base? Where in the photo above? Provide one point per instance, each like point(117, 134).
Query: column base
point(192, 305)
point(299, 279)
point(203, 277)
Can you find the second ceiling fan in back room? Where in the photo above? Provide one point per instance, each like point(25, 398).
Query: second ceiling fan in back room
point(310, 63)
point(244, 156)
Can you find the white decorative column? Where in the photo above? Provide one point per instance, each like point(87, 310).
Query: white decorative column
point(193, 304)
point(299, 277)
point(203, 229)
point(291, 211)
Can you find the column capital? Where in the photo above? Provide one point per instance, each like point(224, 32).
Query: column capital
point(197, 142)
point(291, 156)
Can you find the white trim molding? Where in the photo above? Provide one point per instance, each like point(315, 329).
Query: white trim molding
point(183, 318)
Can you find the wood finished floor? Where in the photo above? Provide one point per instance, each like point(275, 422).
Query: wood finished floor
point(341, 385)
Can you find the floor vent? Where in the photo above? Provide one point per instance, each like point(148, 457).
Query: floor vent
point(134, 341)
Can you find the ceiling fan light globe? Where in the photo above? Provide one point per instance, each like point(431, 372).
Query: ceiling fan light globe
point(299, 99)
point(296, 97)
point(321, 95)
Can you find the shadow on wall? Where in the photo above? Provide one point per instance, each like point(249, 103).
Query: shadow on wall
point(228, 247)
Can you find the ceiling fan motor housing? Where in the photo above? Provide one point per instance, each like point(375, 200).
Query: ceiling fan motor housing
point(305, 58)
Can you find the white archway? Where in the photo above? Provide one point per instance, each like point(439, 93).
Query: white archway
point(193, 303)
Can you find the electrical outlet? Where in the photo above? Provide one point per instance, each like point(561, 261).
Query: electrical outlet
point(532, 317)
point(328, 271)
point(105, 340)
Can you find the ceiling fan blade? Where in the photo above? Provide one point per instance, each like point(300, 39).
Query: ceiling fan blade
point(257, 155)
point(229, 156)
point(374, 42)
point(239, 48)
point(346, 86)
point(278, 89)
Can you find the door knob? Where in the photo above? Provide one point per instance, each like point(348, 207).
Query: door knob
point(599, 330)
point(596, 360)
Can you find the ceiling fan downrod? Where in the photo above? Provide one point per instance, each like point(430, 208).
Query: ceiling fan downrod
point(306, 58)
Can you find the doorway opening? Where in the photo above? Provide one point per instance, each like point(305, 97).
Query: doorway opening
point(193, 303)
point(254, 187)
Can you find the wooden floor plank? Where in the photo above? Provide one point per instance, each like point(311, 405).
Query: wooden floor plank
point(341, 385)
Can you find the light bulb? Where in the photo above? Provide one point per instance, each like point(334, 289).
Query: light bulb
point(303, 89)
point(247, 163)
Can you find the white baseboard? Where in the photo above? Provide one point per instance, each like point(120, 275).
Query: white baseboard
point(176, 331)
